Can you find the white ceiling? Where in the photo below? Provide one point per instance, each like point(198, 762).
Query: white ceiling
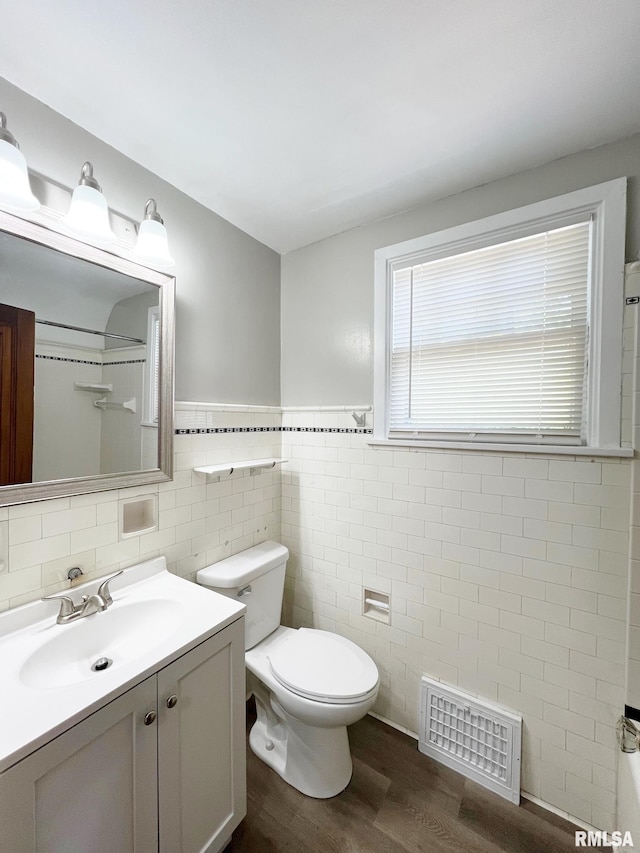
point(298, 119)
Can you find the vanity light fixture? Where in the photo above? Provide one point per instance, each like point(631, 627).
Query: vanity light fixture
point(15, 192)
point(88, 216)
point(152, 246)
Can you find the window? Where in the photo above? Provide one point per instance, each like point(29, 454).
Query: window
point(507, 330)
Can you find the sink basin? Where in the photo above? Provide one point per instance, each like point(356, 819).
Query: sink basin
point(121, 634)
point(46, 669)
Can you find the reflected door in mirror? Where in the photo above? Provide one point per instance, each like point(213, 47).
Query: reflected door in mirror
point(17, 346)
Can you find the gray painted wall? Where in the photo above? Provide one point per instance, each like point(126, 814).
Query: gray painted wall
point(227, 284)
point(327, 288)
point(232, 296)
point(130, 317)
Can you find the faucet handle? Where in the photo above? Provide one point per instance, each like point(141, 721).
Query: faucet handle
point(67, 606)
point(103, 589)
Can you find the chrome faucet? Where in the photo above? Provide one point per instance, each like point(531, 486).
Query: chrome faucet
point(70, 611)
point(91, 604)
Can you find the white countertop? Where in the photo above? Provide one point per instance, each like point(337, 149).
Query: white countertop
point(32, 714)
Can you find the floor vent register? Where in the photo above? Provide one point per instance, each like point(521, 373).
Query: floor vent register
point(471, 736)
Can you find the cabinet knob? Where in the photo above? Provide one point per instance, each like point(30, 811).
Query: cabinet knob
point(172, 701)
point(149, 718)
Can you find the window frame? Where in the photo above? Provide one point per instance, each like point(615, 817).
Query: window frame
point(606, 205)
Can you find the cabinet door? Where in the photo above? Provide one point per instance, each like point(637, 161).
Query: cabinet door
point(201, 745)
point(91, 789)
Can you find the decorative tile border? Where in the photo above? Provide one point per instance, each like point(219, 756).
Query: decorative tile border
point(71, 360)
point(209, 419)
point(97, 363)
point(210, 430)
point(327, 429)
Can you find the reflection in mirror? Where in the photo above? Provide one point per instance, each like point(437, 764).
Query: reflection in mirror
point(85, 346)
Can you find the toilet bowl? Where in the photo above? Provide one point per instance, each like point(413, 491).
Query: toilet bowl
point(309, 685)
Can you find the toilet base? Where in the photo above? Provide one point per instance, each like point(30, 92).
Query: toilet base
point(315, 761)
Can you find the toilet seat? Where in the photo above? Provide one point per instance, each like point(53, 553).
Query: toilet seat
point(324, 667)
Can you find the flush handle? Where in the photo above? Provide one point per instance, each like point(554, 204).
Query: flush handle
point(246, 590)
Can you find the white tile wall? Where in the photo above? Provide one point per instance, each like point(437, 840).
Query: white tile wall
point(508, 574)
point(507, 577)
point(199, 523)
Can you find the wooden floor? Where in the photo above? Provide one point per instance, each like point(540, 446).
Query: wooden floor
point(398, 800)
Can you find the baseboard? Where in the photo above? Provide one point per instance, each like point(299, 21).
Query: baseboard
point(538, 802)
point(393, 725)
point(559, 812)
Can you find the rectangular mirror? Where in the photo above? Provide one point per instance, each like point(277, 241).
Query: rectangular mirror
point(86, 367)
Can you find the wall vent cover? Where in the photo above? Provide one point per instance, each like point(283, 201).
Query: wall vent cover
point(471, 736)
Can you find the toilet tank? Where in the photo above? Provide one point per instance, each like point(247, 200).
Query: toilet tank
point(254, 577)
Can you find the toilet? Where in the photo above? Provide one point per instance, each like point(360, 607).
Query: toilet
point(309, 685)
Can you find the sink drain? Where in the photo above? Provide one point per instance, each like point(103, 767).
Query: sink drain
point(100, 664)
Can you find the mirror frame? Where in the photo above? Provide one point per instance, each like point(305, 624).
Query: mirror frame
point(29, 492)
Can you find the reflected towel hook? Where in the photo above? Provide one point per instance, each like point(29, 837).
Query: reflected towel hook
point(361, 420)
point(130, 405)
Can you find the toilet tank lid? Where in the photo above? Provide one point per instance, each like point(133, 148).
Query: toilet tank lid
point(244, 567)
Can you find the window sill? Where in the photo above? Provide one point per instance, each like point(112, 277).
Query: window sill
point(546, 449)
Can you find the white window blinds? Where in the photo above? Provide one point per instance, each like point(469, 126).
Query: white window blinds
point(494, 340)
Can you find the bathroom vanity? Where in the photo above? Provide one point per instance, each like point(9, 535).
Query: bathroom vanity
point(147, 754)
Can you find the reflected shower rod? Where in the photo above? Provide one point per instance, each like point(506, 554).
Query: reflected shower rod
point(91, 331)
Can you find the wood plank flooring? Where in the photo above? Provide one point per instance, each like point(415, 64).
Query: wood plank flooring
point(398, 800)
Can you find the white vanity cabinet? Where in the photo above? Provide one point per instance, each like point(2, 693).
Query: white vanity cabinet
point(90, 789)
point(201, 745)
point(159, 768)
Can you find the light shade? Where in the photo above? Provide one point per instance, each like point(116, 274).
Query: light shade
point(88, 216)
point(152, 246)
point(15, 191)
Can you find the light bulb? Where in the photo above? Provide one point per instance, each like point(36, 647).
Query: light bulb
point(15, 190)
point(152, 246)
point(88, 216)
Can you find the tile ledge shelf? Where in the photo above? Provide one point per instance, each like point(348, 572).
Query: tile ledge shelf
point(186, 406)
point(215, 472)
